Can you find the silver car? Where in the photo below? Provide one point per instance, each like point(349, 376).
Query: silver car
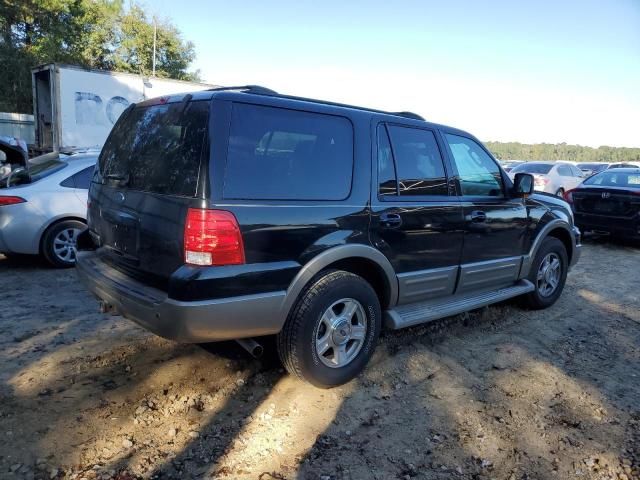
point(551, 177)
point(43, 206)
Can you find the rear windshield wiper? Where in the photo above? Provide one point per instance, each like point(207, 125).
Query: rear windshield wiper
point(122, 179)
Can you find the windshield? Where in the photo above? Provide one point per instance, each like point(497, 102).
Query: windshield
point(615, 179)
point(539, 168)
point(157, 148)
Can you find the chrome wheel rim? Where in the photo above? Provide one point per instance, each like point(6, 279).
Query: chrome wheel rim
point(549, 273)
point(64, 245)
point(341, 333)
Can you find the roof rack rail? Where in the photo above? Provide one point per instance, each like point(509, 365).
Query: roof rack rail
point(412, 115)
point(257, 89)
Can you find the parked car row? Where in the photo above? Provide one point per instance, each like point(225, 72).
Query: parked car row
point(593, 168)
point(551, 177)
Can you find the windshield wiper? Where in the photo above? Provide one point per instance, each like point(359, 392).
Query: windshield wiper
point(122, 179)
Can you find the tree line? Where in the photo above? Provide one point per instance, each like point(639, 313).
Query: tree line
point(100, 34)
point(562, 151)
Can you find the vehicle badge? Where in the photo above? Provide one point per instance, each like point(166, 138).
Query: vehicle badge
point(606, 194)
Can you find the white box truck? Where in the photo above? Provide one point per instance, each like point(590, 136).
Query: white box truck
point(75, 107)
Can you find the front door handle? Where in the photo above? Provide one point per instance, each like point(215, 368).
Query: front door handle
point(478, 216)
point(390, 220)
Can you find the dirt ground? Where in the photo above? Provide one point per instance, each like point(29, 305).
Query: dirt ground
point(501, 393)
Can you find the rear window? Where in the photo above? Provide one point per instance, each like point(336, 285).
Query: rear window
point(615, 179)
point(539, 168)
point(36, 172)
point(157, 148)
point(281, 154)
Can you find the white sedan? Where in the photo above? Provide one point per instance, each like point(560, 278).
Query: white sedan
point(43, 206)
point(551, 177)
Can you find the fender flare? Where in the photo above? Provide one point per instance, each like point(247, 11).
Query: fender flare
point(542, 234)
point(332, 255)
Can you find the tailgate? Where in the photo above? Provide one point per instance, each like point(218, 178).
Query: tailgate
point(149, 173)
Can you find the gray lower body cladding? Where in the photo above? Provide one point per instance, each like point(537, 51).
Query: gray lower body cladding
point(190, 322)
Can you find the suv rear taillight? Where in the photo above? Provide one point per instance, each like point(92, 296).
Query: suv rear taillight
point(212, 237)
point(8, 200)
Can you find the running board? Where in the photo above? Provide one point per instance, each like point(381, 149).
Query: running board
point(411, 314)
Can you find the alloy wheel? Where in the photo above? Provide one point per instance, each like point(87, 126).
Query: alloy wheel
point(64, 245)
point(549, 274)
point(341, 333)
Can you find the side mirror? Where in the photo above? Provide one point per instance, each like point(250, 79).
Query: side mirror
point(523, 184)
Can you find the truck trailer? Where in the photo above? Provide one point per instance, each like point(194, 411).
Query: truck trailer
point(75, 107)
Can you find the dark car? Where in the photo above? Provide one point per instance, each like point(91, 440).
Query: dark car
point(592, 168)
point(622, 165)
point(238, 213)
point(609, 202)
point(509, 165)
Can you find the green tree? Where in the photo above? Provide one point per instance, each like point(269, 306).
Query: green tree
point(562, 151)
point(134, 51)
point(90, 33)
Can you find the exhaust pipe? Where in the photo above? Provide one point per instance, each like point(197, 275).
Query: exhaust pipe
point(250, 345)
point(104, 307)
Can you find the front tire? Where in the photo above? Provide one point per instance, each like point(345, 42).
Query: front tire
point(548, 274)
point(59, 243)
point(332, 330)
point(560, 193)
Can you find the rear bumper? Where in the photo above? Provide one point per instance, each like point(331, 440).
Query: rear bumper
point(622, 227)
point(184, 321)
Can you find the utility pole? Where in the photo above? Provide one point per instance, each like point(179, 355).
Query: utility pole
point(155, 33)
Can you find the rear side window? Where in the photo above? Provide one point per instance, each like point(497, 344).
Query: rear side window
point(478, 174)
point(82, 179)
point(564, 170)
point(281, 154)
point(576, 171)
point(419, 170)
point(157, 148)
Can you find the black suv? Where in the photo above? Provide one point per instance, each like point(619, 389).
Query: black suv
point(237, 213)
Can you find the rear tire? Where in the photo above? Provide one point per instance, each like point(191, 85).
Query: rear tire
point(332, 330)
point(548, 274)
point(560, 193)
point(59, 243)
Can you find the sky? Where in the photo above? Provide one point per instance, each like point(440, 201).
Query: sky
point(527, 71)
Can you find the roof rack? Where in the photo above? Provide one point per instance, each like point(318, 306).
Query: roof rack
point(412, 115)
point(257, 89)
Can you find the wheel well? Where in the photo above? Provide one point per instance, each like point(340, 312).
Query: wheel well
point(368, 270)
point(562, 235)
point(56, 222)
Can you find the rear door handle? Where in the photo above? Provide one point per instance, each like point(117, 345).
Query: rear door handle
point(478, 216)
point(390, 220)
